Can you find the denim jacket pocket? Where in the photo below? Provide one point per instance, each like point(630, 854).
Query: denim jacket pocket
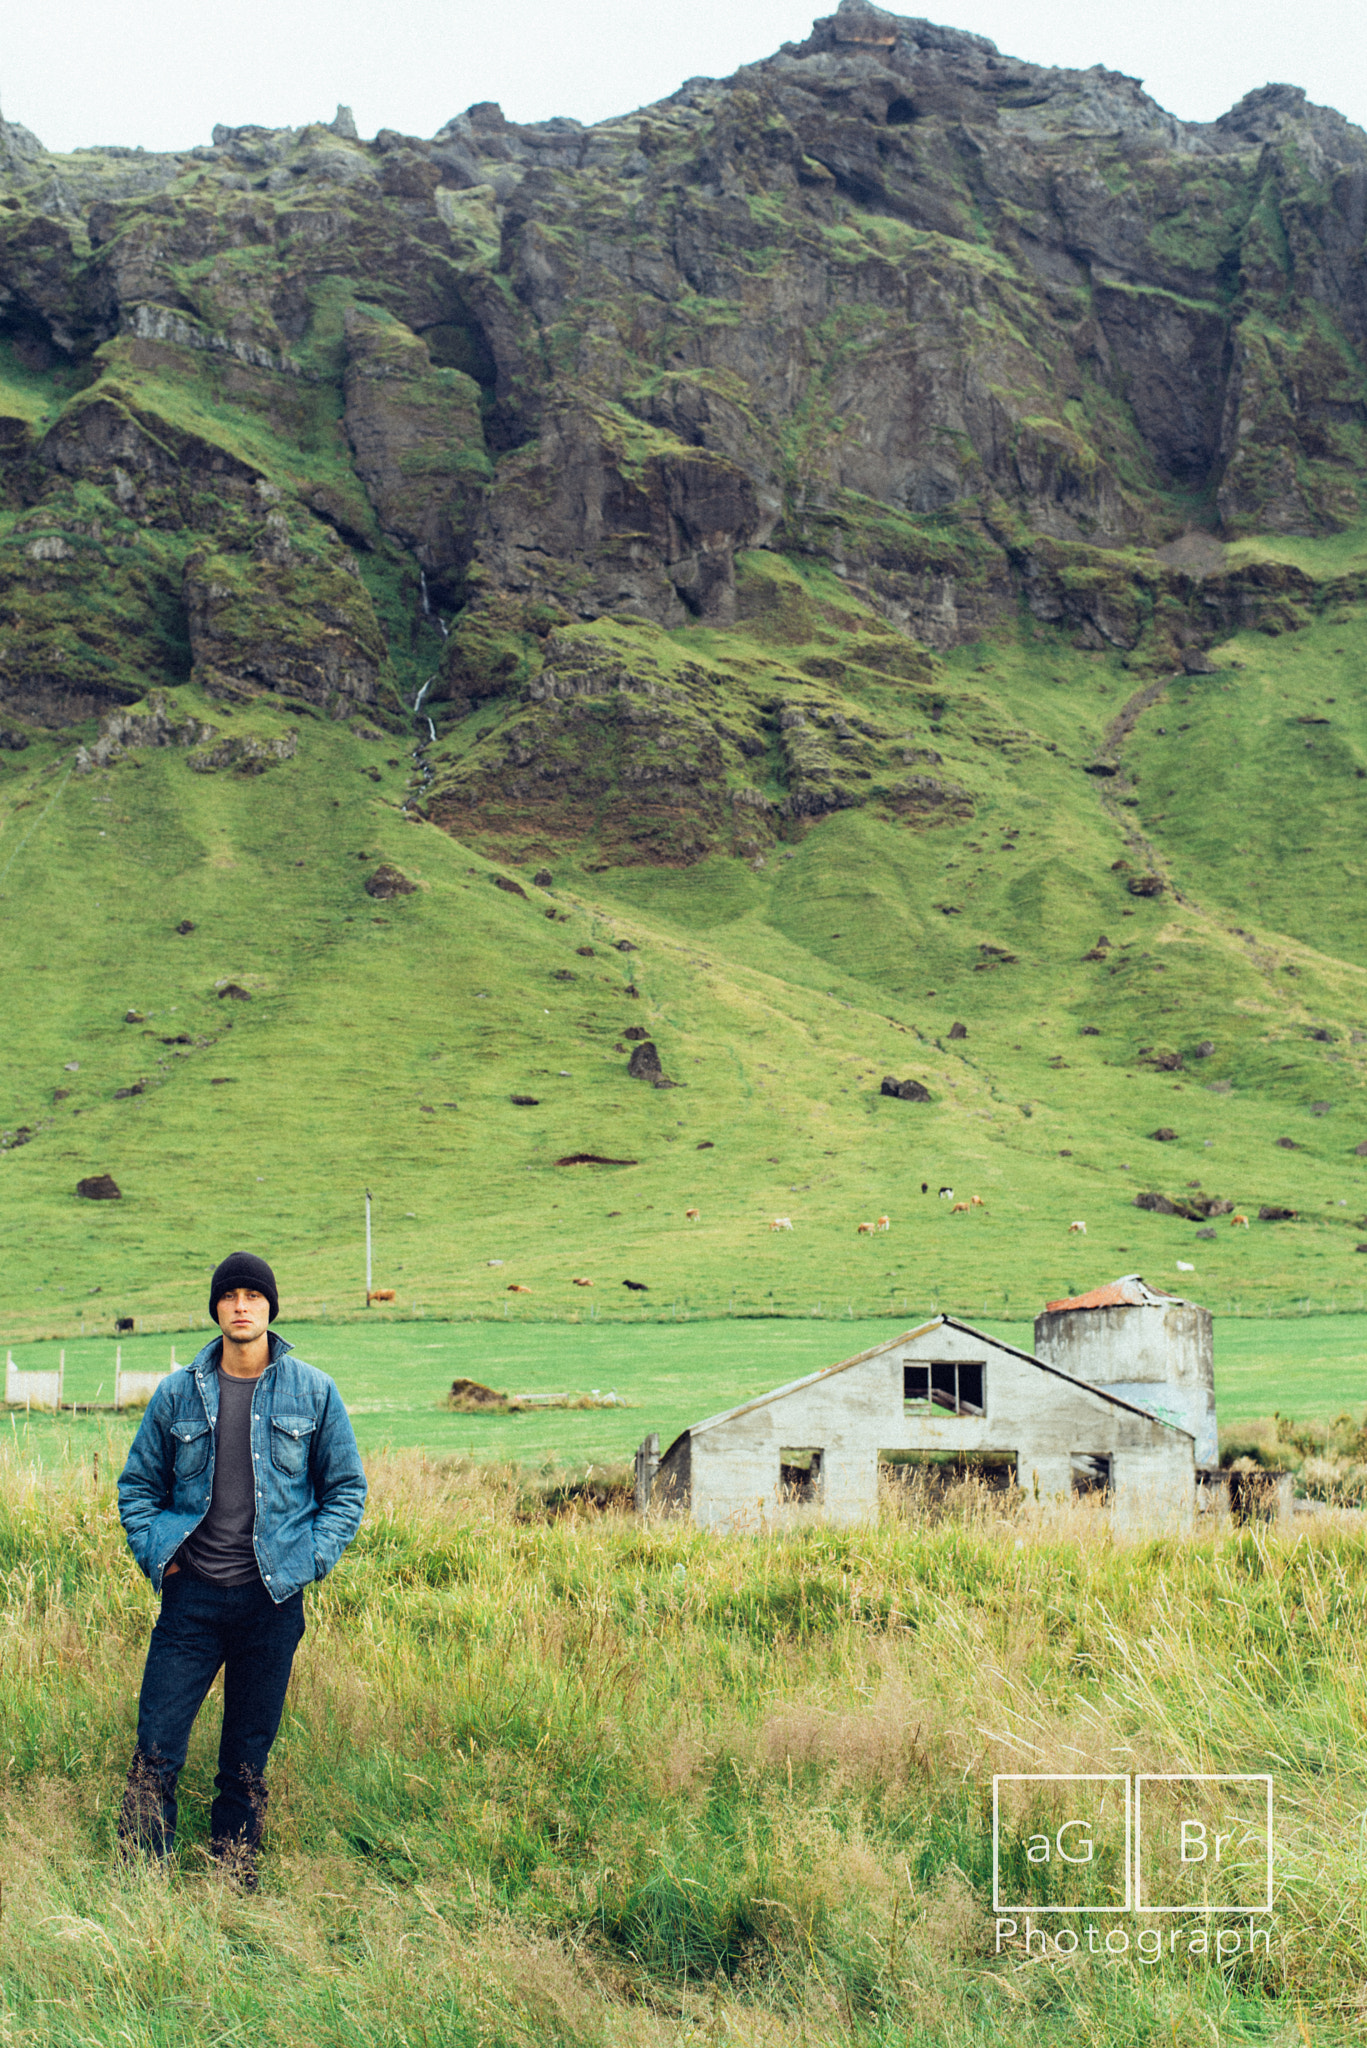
point(192, 1441)
point(290, 1441)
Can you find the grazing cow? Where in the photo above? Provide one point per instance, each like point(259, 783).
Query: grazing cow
point(579, 1281)
point(381, 1294)
point(782, 1223)
point(975, 1201)
point(1184, 1267)
point(1239, 1222)
point(123, 1326)
point(516, 1287)
point(959, 1209)
point(884, 1223)
point(946, 1194)
point(636, 1286)
point(865, 1230)
point(692, 1215)
point(1080, 1228)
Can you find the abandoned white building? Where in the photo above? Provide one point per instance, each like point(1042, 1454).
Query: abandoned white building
point(1149, 1347)
point(941, 1388)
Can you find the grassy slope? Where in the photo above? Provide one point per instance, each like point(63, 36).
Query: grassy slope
point(780, 997)
point(383, 1041)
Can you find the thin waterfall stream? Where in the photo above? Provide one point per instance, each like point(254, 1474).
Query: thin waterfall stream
point(421, 763)
point(427, 610)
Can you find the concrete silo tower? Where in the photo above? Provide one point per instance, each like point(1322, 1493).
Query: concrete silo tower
point(1153, 1349)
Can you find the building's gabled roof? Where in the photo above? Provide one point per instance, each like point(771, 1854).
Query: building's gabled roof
point(907, 1337)
point(1129, 1292)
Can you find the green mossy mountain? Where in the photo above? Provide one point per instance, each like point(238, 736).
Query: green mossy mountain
point(885, 517)
point(975, 334)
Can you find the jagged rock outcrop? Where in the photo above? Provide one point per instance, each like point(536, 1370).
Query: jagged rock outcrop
point(305, 630)
point(155, 727)
point(601, 512)
point(966, 331)
point(418, 448)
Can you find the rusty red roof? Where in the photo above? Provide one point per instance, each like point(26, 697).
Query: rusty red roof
point(1131, 1292)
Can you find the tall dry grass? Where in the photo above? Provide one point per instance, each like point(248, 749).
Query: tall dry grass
point(578, 1781)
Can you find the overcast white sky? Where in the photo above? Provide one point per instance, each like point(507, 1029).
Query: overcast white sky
point(162, 72)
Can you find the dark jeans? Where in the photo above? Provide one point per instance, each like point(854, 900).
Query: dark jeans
point(203, 1626)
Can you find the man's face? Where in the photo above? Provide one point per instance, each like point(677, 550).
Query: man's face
point(243, 1314)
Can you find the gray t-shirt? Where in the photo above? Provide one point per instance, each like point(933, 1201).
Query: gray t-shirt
point(221, 1547)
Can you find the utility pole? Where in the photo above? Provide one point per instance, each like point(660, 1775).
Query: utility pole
point(367, 1247)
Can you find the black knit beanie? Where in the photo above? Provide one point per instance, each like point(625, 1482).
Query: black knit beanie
point(243, 1269)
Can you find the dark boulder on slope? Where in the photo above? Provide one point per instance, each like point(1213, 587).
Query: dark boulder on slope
point(904, 1091)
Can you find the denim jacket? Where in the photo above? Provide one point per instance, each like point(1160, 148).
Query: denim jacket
point(310, 1485)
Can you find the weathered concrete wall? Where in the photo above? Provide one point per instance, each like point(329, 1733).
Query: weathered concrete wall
point(1160, 1355)
point(1156, 1488)
point(726, 1472)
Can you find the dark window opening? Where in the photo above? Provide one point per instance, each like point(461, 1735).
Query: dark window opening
point(953, 1384)
point(799, 1476)
point(1091, 1476)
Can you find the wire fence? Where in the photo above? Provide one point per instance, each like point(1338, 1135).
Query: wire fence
point(610, 1312)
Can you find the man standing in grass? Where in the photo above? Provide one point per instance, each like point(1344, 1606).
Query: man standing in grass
point(242, 1486)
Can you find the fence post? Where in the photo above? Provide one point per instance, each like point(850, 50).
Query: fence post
point(647, 1465)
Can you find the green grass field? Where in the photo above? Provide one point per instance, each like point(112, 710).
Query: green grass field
point(669, 1375)
point(381, 1044)
point(583, 1785)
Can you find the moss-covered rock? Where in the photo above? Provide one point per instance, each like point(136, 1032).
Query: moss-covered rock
point(297, 623)
point(418, 443)
point(884, 345)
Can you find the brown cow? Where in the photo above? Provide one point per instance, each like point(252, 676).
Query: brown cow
point(865, 1230)
point(959, 1209)
point(381, 1294)
point(693, 1215)
point(1238, 1222)
point(516, 1287)
point(579, 1281)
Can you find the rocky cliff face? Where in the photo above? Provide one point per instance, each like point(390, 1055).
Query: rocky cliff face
point(336, 420)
